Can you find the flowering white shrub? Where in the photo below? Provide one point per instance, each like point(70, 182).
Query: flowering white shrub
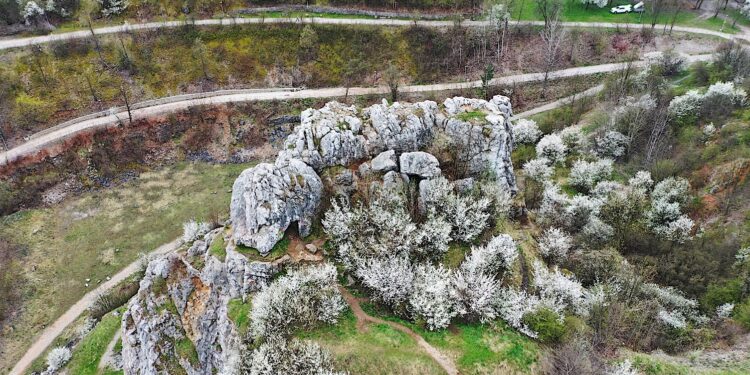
point(596, 232)
point(433, 237)
point(30, 11)
point(512, 305)
point(612, 144)
point(742, 256)
point(431, 299)
point(669, 297)
point(552, 207)
point(555, 244)
point(664, 218)
point(499, 195)
point(671, 190)
point(623, 368)
point(709, 130)
point(724, 95)
point(538, 169)
point(192, 230)
point(604, 189)
point(559, 292)
point(674, 319)
point(526, 132)
point(724, 311)
point(551, 147)
point(289, 357)
point(642, 181)
point(389, 279)
point(585, 175)
point(57, 358)
point(498, 254)
point(580, 210)
point(112, 7)
point(468, 215)
point(573, 138)
point(303, 297)
point(475, 295)
point(685, 106)
point(382, 229)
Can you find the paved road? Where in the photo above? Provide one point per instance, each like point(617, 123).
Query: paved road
point(81, 34)
point(49, 334)
point(47, 138)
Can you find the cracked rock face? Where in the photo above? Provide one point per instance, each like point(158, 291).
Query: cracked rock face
point(267, 198)
point(178, 322)
point(420, 164)
point(384, 162)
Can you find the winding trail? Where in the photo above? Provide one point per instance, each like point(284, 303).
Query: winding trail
point(363, 318)
point(49, 334)
point(108, 356)
point(82, 34)
point(49, 137)
point(559, 102)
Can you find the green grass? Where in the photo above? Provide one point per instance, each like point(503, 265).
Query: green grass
point(239, 313)
point(218, 247)
point(456, 254)
point(574, 11)
point(100, 233)
point(88, 353)
point(379, 349)
point(277, 251)
point(184, 348)
point(478, 348)
point(471, 116)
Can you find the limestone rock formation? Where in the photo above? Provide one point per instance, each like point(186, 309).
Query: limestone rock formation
point(420, 164)
point(384, 162)
point(269, 197)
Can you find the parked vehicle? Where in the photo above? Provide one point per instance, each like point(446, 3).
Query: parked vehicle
point(639, 8)
point(620, 9)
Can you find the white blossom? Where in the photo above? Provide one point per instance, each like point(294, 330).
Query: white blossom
point(612, 144)
point(390, 279)
point(585, 175)
point(641, 180)
point(113, 7)
point(573, 137)
point(604, 189)
point(431, 298)
point(580, 210)
point(468, 215)
point(742, 256)
point(433, 237)
point(498, 254)
point(303, 297)
point(538, 169)
point(709, 130)
point(724, 311)
point(596, 232)
point(526, 132)
point(30, 11)
point(474, 294)
point(555, 244)
point(57, 358)
point(669, 297)
point(559, 292)
point(623, 368)
point(598, 3)
point(674, 319)
point(685, 106)
point(552, 209)
point(724, 94)
point(289, 357)
point(552, 147)
point(512, 305)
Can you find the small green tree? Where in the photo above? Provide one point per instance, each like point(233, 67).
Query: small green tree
point(392, 76)
point(200, 53)
point(489, 73)
point(308, 44)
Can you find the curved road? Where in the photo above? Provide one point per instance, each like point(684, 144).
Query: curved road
point(46, 138)
point(81, 34)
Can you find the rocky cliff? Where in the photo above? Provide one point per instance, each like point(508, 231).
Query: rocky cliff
point(181, 320)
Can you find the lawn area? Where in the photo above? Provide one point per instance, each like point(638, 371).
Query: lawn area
point(477, 348)
point(380, 349)
point(574, 11)
point(94, 235)
point(86, 356)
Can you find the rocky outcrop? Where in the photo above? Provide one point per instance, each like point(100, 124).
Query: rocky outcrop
point(420, 164)
point(269, 197)
point(179, 320)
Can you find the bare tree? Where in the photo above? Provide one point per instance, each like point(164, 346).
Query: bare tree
point(352, 70)
point(97, 46)
point(549, 10)
point(126, 99)
point(38, 55)
point(498, 17)
point(657, 8)
point(657, 135)
point(200, 53)
point(552, 35)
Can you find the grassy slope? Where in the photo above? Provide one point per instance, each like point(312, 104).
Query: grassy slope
point(98, 233)
point(574, 11)
point(88, 353)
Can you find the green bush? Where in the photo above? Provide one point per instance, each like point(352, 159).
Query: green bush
point(742, 313)
point(546, 323)
point(720, 293)
point(30, 110)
